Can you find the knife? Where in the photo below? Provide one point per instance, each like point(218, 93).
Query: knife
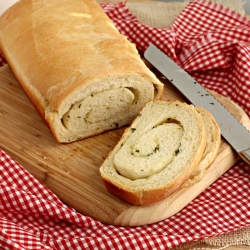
point(231, 129)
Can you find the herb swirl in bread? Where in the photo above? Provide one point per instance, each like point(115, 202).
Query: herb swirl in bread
point(156, 154)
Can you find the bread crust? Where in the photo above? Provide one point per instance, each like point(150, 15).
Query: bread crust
point(212, 147)
point(57, 49)
point(147, 196)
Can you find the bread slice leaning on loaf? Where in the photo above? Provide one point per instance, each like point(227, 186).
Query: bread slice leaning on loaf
point(213, 143)
point(156, 154)
point(80, 73)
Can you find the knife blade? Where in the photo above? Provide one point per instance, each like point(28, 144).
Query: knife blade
point(231, 129)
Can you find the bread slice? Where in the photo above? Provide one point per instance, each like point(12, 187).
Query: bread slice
point(212, 146)
point(81, 74)
point(156, 154)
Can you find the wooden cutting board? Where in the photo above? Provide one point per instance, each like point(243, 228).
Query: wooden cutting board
point(71, 170)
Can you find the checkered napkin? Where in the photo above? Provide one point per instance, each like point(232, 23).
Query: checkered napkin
point(210, 42)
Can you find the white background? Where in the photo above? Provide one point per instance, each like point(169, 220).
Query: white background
point(5, 4)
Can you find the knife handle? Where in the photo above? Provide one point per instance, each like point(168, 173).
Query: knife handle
point(245, 155)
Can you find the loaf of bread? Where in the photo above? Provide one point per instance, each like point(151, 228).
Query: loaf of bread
point(212, 146)
point(79, 72)
point(156, 154)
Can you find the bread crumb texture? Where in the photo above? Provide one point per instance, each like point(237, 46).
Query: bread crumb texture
point(156, 154)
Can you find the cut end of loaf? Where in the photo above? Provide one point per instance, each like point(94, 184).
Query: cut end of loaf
point(101, 105)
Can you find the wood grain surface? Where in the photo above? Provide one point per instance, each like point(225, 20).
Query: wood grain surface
point(71, 171)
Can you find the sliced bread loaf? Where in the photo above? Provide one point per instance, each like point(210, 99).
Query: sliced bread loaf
point(156, 154)
point(80, 73)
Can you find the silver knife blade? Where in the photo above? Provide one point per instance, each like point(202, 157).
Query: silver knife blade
point(231, 129)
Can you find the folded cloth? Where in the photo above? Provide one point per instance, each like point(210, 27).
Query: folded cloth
point(209, 41)
point(32, 217)
point(215, 50)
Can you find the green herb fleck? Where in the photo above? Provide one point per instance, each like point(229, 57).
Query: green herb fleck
point(156, 149)
point(133, 130)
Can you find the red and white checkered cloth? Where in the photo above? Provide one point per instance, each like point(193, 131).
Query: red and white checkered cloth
point(213, 44)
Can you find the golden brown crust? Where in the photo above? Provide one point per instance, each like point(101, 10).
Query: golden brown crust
point(146, 197)
point(105, 54)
